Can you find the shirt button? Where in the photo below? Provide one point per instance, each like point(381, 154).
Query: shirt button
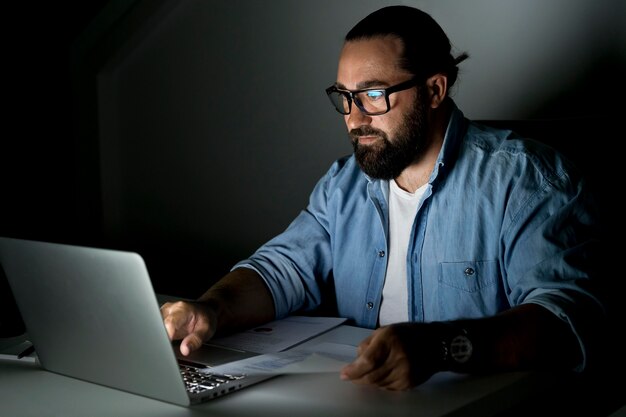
point(381, 253)
point(469, 271)
point(370, 305)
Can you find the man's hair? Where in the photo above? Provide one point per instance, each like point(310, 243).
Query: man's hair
point(426, 46)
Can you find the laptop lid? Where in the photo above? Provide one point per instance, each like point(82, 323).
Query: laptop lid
point(92, 314)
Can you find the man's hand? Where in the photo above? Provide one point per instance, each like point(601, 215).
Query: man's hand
point(240, 300)
point(395, 357)
point(192, 322)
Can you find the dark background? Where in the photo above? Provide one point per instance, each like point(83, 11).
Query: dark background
point(38, 155)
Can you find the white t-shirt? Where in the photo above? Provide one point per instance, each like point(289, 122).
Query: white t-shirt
point(402, 210)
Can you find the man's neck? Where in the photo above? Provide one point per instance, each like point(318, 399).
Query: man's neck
point(418, 172)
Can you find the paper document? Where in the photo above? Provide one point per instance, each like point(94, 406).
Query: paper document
point(278, 335)
point(323, 357)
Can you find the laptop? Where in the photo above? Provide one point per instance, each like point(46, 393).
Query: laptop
point(92, 314)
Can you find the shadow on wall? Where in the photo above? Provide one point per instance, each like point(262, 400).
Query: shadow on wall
point(592, 94)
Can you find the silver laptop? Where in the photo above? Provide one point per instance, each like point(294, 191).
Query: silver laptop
point(92, 314)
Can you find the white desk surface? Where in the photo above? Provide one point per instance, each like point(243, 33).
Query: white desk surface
point(27, 390)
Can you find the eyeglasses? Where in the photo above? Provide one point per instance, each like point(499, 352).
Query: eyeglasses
point(371, 101)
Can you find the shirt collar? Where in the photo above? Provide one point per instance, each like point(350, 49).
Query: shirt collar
point(457, 126)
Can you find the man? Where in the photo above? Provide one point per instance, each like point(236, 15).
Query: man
point(466, 249)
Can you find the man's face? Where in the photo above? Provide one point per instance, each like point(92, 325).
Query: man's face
point(386, 144)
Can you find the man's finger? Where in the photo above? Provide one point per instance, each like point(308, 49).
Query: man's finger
point(364, 344)
point(176, 318)
point(369, 359)
point(364, 370)
point(173, 324)
point(190, 343)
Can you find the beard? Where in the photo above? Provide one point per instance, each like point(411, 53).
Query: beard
point(387, 158)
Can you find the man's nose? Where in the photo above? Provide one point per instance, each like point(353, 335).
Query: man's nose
point(356, 118)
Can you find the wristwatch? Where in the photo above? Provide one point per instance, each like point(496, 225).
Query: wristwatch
point(456, 348)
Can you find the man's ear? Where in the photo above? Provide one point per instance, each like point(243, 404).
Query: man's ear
point(437, 89)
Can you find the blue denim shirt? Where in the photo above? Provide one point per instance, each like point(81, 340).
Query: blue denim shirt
point(503, 221)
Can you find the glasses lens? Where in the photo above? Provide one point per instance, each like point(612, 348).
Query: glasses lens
point(340, 100)
point(372, 101)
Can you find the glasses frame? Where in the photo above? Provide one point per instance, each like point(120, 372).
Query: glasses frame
point(351, 96)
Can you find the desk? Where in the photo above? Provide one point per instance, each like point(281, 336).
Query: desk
point(27, 390)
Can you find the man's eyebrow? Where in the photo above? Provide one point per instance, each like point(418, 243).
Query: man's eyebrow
point(365, 84)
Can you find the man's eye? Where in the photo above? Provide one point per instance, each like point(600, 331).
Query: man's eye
point(375, 95)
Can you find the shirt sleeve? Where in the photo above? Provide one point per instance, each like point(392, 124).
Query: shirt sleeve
point(297, 262)
point(552, 251)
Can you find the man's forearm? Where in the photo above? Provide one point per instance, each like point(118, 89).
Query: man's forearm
point(241, 300)
point(526, 337)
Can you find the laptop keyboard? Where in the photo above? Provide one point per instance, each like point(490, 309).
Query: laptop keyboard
point(198, 381)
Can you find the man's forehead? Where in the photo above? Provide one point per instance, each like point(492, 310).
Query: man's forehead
point(370, 59)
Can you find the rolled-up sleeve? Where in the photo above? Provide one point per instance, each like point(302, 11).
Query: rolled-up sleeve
point(552, 252)
point(294, 262)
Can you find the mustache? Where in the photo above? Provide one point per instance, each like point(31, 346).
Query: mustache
point(366, 131)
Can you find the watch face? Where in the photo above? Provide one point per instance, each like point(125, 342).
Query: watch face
point(460, 349)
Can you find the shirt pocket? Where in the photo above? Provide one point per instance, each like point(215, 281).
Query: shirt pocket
point(468, 276)
point(469, 289)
